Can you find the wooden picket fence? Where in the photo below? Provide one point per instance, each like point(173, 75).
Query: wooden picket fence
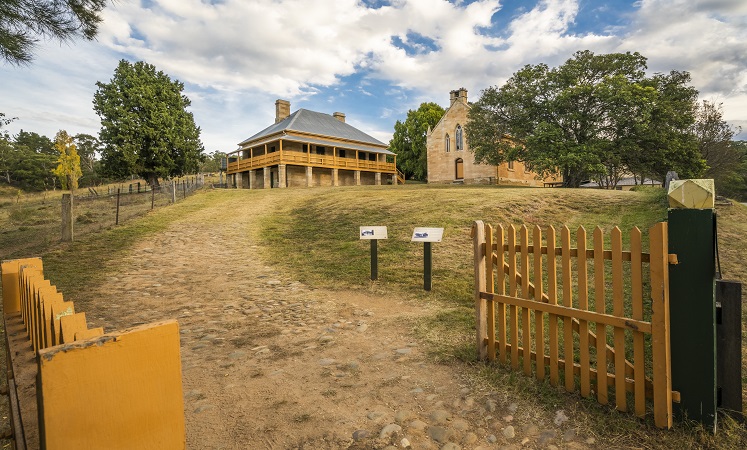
point(522, 305)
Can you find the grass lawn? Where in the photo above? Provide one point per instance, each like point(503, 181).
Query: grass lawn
point(318, 241)
point(313, 234)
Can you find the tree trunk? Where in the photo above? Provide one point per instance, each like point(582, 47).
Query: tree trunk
point(153, 180)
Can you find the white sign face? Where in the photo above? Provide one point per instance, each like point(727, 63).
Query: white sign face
point(368, 233)
point(427, 235)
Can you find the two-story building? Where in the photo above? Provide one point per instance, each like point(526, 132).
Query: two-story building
point(309, 148)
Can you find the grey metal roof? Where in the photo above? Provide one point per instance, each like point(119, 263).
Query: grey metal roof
point(313, 122)
point(328, 143)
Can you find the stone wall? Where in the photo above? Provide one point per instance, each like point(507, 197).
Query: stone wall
point(442, 164)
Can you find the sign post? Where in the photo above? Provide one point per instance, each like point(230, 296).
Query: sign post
point(373, 234)
point(427, 236)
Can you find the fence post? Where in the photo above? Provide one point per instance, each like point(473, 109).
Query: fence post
point(478, 240)
point(67, 217)
point(173, 191)
point(152, 196)
point(660, 326)
point(729, 347)
point(693, 313)
point(116, 222)
point(184, 188)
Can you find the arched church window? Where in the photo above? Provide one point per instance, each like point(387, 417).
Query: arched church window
point(448, 143)
point(459, 138)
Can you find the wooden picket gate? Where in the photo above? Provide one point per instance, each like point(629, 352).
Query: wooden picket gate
point(521, 307)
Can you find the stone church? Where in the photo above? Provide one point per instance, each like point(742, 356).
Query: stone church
point(449, 158)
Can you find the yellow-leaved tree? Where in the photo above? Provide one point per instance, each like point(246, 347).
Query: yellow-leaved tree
point(68, 163)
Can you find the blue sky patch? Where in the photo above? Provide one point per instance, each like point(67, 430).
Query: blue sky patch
point(415, 44)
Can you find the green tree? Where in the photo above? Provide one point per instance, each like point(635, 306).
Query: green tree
point(68, 162)
point(145, 127)
point(734, 183)
point(593, 117)
point(89, 147)
point(24, 22)
point(664, 141)
point(35, 142)
point(714, 137)
point(212, 162)
point(409, 140)
point(35, 158)
point(7, 151)
point(32, 170)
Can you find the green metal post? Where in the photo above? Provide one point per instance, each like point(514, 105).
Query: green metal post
point(729, 347)
point(692, 308)
point(374, 259)
point(427, 265)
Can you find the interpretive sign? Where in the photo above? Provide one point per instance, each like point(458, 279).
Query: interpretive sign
point(373, 233)
point(427, 234)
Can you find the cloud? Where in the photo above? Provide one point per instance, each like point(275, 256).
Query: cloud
point(374, 58)
point(280, 47)
point(707, 38)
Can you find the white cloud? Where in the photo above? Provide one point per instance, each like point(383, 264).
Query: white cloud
point(706, 38)
point(236, 57)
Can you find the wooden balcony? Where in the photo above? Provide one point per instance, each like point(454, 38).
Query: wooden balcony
point(308, 159)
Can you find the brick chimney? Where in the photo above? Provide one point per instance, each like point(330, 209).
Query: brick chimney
point(282, 110)
point(458, 94)
point(339, 116)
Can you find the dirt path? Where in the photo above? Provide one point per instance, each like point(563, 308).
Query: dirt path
point(271, 363)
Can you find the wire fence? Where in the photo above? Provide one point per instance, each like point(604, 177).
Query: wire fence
point(132, 200)
point(30, 224)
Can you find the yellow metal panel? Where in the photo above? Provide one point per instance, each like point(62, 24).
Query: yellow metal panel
point(118, 391)
point(89, 333)
point(58, 311)
point(10, 270)
point(69, 325)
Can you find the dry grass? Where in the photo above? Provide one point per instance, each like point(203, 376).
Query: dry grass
point(317, 235)
point(31, 222)
point(313, 233)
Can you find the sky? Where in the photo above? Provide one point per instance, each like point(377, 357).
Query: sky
point(371, 59)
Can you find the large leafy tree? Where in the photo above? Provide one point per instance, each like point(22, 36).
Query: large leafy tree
point(35, 158)
point(714, 137)
point(24, 22)
point(409, 140)
point(145, 126)
point(35, 142)
point(664, 140)
point(726, 159)
point(593, 117)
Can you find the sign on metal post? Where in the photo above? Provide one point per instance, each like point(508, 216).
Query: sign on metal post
point(373, 234)
point(427, 236)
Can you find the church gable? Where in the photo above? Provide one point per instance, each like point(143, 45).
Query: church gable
point(450, 161)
